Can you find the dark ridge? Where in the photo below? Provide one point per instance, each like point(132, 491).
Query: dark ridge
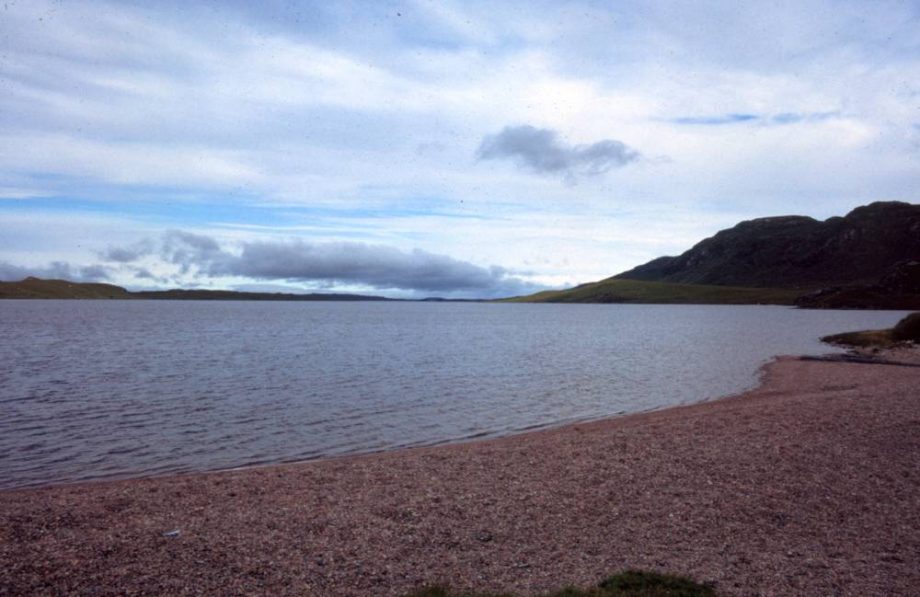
point(899, 288)
point(797, 251)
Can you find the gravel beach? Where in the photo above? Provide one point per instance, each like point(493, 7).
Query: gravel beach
point(807, 485)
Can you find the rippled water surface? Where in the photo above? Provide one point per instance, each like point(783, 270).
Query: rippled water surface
point(96, 389)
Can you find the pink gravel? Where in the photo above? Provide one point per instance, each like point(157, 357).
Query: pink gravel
point(808, 485)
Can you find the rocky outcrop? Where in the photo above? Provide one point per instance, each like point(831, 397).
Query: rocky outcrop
point(908, 329)
point(898, 288)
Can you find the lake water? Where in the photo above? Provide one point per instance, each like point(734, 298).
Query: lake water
point(100, 389)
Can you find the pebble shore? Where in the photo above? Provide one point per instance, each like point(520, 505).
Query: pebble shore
point(807, 485)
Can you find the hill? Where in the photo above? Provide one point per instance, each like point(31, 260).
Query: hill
point(614, 290)
point(899, 288)
point(866, 259)
point(232, 295)
point(797, 251)
point(36, 288)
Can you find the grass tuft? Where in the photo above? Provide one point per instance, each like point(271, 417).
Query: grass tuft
point(640, 584)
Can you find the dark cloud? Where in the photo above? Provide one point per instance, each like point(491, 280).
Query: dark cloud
point(92, 272)
point(188, 250)
point(129, 253)
point(377, 266)
point(57, 270)
point(142, 273)
point(337, 263)
point(541, 151)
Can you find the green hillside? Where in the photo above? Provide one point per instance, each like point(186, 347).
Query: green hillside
point(615, 290)
point(35, 288)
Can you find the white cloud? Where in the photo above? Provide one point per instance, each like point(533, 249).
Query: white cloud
point(101, 99)
point(131, 163)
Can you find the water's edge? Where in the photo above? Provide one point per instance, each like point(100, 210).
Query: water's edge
point(103, 390)
point(757, 386)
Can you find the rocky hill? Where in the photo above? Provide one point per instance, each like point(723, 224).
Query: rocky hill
point(797, 252)
point(899, 288)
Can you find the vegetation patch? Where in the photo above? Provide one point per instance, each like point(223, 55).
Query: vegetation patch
point(35, 288)
point(863, 339)
point(616, 290)
point(906, 330)
point(632, 583)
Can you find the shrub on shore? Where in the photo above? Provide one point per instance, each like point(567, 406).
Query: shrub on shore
point(632, 583)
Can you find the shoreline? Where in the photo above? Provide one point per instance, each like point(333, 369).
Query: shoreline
point(805, 484)
point(485, 436)
point(474, 439)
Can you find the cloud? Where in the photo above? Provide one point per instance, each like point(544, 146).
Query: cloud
point(541, 151)
point(129, 253)
point(142, 273)
point(794, 117)
point(344, 121)
point(188, 250)
point(55, 270)
point(716, 120)
point(10, 192)
point(330, 263)
point(372, 265)
point(762, 119)
point(430, 148)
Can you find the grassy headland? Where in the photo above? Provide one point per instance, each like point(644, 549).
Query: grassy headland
point(36, 288)
point(618, 290)
point(906, 330)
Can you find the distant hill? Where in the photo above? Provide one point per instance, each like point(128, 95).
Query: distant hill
point(232, 295)
point(797, 251)
point(36, 288)
point(614, 290)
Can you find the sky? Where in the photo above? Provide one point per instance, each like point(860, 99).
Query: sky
point(423, 148)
